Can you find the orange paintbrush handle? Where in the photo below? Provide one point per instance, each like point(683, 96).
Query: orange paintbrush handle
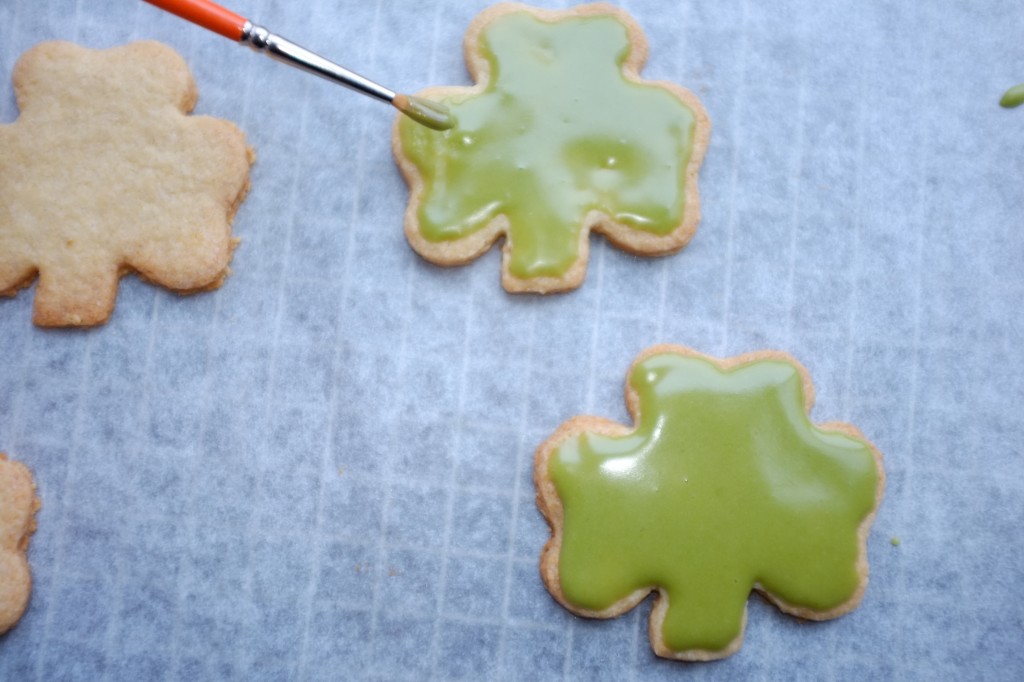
point(207, 14)
point(212, 16)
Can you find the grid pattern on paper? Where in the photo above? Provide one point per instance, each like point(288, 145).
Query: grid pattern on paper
point(323, 469)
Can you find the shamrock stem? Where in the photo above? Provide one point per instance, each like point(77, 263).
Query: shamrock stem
point(69, 295)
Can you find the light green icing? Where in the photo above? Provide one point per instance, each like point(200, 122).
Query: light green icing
point(558, 132)
point(1013, 97)
point(725, 483)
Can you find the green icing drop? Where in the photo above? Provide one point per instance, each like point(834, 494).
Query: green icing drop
point(558, 132)
point(1013, 97)
point(724, 484)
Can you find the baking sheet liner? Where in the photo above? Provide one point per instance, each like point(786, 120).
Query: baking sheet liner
point(323, 469)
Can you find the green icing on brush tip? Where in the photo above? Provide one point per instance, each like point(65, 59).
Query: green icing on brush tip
point(425, 112)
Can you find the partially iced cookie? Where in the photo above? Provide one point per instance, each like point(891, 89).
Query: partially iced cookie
point(559, 137)
point(104, 173)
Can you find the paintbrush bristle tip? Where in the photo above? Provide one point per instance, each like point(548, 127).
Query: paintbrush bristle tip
point(427, 112)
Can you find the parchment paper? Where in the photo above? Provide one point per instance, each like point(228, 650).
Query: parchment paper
point(323, 469)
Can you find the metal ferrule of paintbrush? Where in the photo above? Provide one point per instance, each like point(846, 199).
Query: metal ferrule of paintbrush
point(285, 51)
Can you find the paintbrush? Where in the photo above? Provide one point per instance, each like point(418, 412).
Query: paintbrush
point(223, 21)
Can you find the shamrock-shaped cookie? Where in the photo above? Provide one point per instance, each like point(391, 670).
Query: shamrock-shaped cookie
point(559, 137)
point(723, 486)
point(104, 173)
point(18, 505)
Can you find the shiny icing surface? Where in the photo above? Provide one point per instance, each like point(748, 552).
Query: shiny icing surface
point(557, 133)
point(725, 484)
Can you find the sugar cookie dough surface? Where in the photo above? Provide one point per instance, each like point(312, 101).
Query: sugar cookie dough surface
point(103, 173)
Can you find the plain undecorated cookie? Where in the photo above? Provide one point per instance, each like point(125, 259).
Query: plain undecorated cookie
point(104, 173)
point(18, 505)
